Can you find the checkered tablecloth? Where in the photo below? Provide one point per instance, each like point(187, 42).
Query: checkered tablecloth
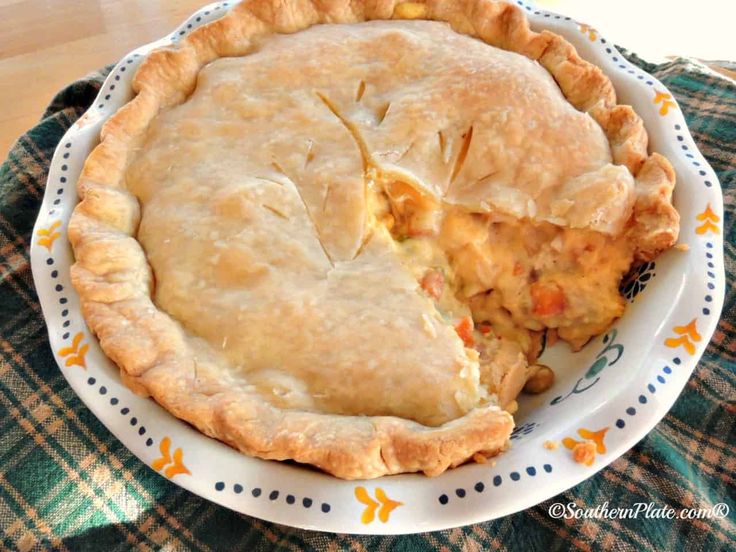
point(66, 483)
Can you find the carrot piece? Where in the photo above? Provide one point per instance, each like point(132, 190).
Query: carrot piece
point(433, 283)
point(485, 329)
point(548, 299)
point(464, 329)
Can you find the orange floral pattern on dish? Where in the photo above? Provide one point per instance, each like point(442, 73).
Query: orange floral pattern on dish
point(709, 220)
point(174, 462)
point(666, 100)
point(87, 119)
point(597, 438)
point(590, 31)
point(386, 504)
point(47, 236)
point(688, 337)
point(74, 354)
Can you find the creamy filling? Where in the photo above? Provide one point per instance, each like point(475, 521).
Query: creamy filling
point(501, 283)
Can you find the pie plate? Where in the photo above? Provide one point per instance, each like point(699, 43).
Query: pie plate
point(612, 392)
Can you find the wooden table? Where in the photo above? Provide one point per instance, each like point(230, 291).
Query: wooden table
point(46, 44)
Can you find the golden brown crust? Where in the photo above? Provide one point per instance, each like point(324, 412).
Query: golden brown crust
point(115, 282)
point(656, 220)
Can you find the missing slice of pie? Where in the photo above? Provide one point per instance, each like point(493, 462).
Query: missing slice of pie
point(334, 232)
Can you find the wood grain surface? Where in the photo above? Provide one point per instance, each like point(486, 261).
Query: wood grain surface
point(46, 44)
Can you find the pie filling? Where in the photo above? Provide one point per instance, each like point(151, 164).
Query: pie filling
point(502, 283)
point(386, 230)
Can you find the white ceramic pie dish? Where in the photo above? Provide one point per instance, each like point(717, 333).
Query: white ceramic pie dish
point(613, 391)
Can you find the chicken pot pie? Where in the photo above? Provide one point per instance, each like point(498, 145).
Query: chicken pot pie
point(335, 231)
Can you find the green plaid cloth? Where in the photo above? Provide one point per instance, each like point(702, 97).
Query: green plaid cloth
point(67, 483)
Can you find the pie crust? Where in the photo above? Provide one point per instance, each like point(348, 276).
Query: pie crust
point(237, 260)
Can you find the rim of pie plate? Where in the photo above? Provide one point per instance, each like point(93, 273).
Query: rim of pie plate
point(613, 392)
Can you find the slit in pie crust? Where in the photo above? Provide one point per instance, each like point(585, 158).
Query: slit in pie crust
point(326, 233)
